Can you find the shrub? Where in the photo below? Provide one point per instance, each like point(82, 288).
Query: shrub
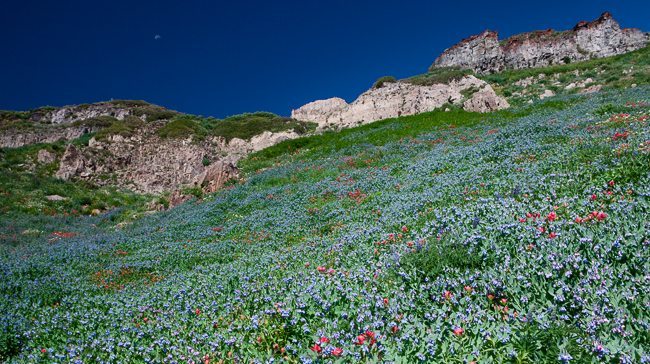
point(382, 80)
point(433, 259)
point(438, 75)
point(126, 128)
point(96, 122)
point(181, 127)
point(246, 126)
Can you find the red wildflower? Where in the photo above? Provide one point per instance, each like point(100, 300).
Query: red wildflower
point(612, 183)
point(578, 220)
point(360, 339)
point(197, 312)
point(385, 301)
point(337, 351)
point(217, 229)
point(324, 340)
point(490, 296)
point(321, 269)
point(522, 220)
point(316, 349)
point(458, 331)
point(552, 216)
point(394, 329)
point(405, 229)
point(601, 216)
point(468, 289)
point(552, 235)
point(448, 295)
point(594, 197)
point(43, 350)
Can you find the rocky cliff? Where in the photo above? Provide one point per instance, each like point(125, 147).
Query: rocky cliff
point(50, 124)
point(395, 99)
point(484, 53)
point(145, 162)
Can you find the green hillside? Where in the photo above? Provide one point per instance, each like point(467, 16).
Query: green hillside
point(451, 237)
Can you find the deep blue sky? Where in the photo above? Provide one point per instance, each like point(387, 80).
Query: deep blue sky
point(225, 57)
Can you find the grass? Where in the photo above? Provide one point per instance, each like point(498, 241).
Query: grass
point(244, 126)
point(25, 183)
point(438, 75)
point(382, 132)
point(382, 80)
point(616, 72)
point(408, 229)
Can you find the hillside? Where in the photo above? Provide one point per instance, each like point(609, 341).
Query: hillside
point(518, 236)
point(490, 210)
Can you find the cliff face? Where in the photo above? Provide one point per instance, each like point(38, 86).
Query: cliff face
point(147, 163)
point(395, 99)
point(484, 53)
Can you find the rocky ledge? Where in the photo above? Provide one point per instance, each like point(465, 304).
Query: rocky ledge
point(484, 53)
point(400, 98)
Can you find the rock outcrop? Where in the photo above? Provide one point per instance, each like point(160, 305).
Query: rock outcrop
point(484, 53)
point(396, 99)
point(19, 137)
point(147, 163)
point(70, 114)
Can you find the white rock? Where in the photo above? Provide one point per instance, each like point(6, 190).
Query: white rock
point(547, 93)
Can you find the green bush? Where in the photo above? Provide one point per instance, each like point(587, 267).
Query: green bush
point(96, 122)
point(438, 75)
point(182, 127)
point(436, 257)
point(382, 80)
point(126, 128)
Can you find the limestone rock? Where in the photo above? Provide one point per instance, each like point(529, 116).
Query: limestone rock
point(55, 198)
point(485, 100)
point(393, 100)
point(546, 94)
point(73, 163)
point(592, 89)
point(45, 156)
point(484, 53)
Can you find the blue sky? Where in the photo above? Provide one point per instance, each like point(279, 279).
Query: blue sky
point(220, 58)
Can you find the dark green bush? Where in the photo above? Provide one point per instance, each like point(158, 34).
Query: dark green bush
point(182, 127)
point(126, 127)
point(435, 257)
point(439, 75)
point(96, 122)
point(382, 80)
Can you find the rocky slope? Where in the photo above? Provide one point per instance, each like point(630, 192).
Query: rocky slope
point(145, 162)
point(50, 124)
point(484, 53)
point(395, 99)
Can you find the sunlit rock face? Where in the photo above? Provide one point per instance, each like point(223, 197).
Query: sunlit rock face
point(396, 99)
point(484, 53)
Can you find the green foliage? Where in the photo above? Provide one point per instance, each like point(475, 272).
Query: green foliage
point(244, 126)
point(438, 256)
point(382, 80)
point(193, 191)
point(608, 109)
point(439, 75)
point(126, 127)
point(10, 343)
point(23, 189)
point(130, 103)
point(614, 72)
point(182, 127)
point(97, 122)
